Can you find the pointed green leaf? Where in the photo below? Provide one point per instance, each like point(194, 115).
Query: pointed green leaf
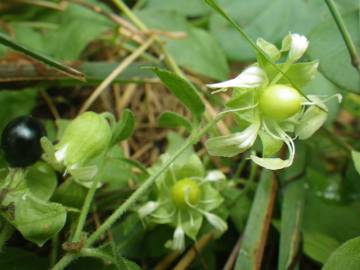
point(173, 120)
point(183, 90)
point(124, 128)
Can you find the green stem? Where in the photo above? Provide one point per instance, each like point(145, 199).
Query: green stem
point(54, 249)
point(6, 232)
point(65, 261)
point(127, 11)
point(355, 58)
point(87, 203)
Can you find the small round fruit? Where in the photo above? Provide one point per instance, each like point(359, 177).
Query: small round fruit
point(185, 187)
point(279, 102)
point(20, 141)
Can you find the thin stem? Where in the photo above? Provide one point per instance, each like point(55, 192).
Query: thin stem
point(122, 6)
point(355, 58)
point(6, 232)
point(86, 206)
point(65, 261)
point(54, 249)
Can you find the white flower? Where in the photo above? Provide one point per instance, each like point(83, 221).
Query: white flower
point(147, 208)
point(60, 154)
point(233, 144)
point(214, 176)
point(251, 77)
point(178, 242)
point(218, 223)
point(296, 45)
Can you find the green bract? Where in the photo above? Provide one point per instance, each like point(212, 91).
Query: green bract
point(85, 137)
point(267, 104)
point(185, 194)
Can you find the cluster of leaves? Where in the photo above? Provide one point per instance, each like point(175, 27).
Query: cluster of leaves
point(316, 210)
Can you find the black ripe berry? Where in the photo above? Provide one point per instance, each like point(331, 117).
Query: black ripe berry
point(20, 141)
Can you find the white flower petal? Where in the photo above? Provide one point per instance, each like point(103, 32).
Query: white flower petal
point(298, 46)
point(60, 154)
point(251, 77)
point(214, 176)
point(233, 144)
point(147, 208)
point(178, 242)
point(219, 224)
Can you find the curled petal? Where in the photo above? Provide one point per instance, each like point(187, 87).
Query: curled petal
point(233, 144)
point(296, 45)
point(277, 163)
point(178, 242)
point(219, 224)
point(147, 209)
point(214, 176)
point(251, 77)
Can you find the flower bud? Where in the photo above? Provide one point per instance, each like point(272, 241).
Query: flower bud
point(86, 137)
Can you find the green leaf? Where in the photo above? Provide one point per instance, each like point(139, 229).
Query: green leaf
point(183, 90)
point(188, 8)
point(15, 103)
point(5, 40)
point(291, 217)
point(356, 159)
point(173, 120)
point(345, 257)
point(124, 128)
point(197, 51)
point(258, 224)
point(41, 180)
point(327, 45)
point(70, 194)
point(319, 246)
point(38, 220)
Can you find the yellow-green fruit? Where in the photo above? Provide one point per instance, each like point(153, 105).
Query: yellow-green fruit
point(183, 188)
point(279, 102)
point(87, 136)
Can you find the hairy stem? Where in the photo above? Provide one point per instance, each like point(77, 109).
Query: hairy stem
point(355, 57)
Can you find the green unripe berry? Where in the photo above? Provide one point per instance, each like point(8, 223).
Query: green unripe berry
point(183, 188)
point(279, 102)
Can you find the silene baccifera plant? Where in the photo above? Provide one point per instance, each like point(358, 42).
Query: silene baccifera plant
point(266, 104)
point(185, 196)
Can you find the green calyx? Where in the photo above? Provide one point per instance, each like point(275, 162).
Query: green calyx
point(86, 137)
point(279, 102)
point(185, 191)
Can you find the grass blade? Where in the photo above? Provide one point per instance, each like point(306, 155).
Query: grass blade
point(291, 217)
point(5, 40)
point(257, 227)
